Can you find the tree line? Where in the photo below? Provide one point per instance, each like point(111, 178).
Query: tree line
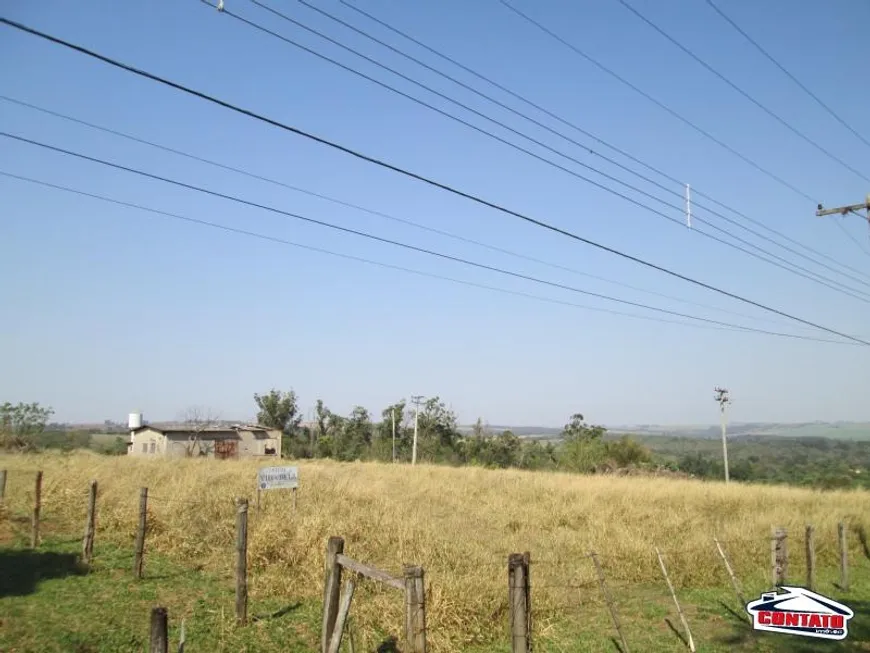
point(823, 463)
point(358, 436)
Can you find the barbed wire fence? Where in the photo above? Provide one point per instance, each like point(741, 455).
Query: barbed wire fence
point(543, 579)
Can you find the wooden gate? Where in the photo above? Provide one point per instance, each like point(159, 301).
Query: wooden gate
point(224, 449)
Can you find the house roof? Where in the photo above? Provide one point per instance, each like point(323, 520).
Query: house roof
point(186, 428)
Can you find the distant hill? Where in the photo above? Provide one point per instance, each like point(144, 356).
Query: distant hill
point(834, 430)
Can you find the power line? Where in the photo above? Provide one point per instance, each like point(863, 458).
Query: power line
point(768, 111)
point(381, 264)
point(595, 138)
point(526, 117)
point(658, 103)
point(719, 327)
point(787, 73)
point(356, 232)
point(418, 177)
point(792, 267)
point(371, 211)
point(852, 238)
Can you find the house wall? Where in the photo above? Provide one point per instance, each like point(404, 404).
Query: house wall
point(248, 443)
point(148, 443)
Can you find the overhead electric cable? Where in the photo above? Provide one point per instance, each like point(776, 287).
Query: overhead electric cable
point(349, 230)
point(658, 103)
point(418, 177)
point(737, 328)
point(381, 214)
point(721, 327)
point(526, 136)
point(783, 263)
point(797, 132)
point(575, 126)
point(776, 63)
point(851, 237)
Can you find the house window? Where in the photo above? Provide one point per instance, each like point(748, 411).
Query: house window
point(152, 448)
point(144, 447)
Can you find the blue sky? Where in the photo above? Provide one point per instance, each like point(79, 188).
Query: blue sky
point(108, 309)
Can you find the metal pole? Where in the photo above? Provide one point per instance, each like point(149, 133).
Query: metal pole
point(416, 399)
point(725, 445)
point(416, 421)
point(722, 398)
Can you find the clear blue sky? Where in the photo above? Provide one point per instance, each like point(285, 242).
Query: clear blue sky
point(107, 310)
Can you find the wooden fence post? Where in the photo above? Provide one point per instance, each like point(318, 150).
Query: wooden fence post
point(811, 558)
point(519, 602)
point(2, 484)
point(331, 590)
point(415, 609)
point(37, 505)
point(609, 599)
point(779, 556)
point(140, 533)
point(844, 556)
point(689, 640)
point(88, 541)
point(341, 618)
point(242, 561)
point(159, 631)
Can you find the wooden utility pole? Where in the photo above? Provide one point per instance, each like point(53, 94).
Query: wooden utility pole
point(723, 399)
point(415, 399)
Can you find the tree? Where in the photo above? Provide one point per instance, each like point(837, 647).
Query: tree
point(438, 432)
point(22, 424)
point(278, 410)
point(197, 420)
point(382, 444)
point(578, 429)
point(355, 436)
point(582, 449)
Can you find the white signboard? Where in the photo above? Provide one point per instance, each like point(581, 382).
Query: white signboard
point(272, 478)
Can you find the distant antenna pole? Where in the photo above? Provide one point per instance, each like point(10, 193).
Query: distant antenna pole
point(393, 415)
point(688, 207)
point(723, 400)
point(415, 399)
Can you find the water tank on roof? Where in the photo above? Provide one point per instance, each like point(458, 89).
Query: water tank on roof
point(134, 421)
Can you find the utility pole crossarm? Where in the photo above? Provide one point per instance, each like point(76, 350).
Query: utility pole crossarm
point(843, 210)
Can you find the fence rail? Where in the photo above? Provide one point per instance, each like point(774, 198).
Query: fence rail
point(344, 575)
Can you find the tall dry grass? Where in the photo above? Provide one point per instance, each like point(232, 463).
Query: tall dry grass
point(459, 524)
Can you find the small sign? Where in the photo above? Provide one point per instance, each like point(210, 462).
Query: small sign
point(272, 478)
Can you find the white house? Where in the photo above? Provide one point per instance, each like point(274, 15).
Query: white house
point(214, 442)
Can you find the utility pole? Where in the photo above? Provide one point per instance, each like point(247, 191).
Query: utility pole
point(415, 399)
point(393, 415)
point(723, 400)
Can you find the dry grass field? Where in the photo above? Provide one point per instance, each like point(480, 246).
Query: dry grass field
point(459, 524)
